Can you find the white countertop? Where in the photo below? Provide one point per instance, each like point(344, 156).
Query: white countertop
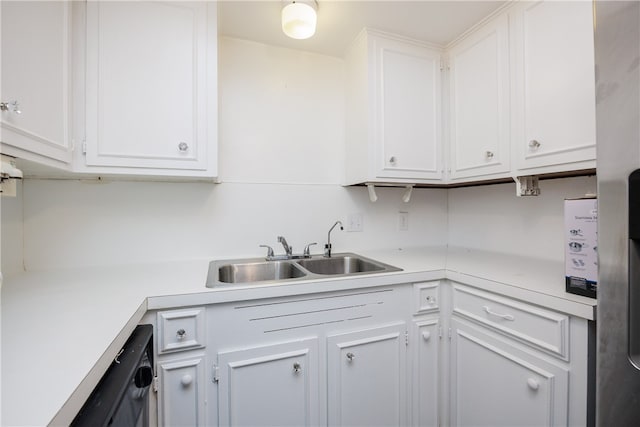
point(61, 329)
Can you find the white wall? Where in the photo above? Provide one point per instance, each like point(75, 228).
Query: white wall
point(11, 232)
point(493, 218)
point(281, 164)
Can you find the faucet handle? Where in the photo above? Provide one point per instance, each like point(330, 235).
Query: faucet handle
point(269, 250)
point(307, 252)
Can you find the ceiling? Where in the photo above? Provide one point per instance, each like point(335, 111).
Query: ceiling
point(340, 21)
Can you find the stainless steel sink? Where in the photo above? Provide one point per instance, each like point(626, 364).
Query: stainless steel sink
point(341, 265)
point(258, 270)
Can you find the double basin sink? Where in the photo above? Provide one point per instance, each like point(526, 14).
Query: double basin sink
point(248, 271)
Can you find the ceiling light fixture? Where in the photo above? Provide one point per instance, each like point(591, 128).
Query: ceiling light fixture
point(299, 18)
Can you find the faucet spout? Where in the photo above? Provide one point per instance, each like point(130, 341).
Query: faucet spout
point(327, 247)
point(288, 249)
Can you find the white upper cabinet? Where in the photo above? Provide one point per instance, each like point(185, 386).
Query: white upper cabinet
point(393, 110)
point(151, 88)
point(554, 86)
point(479, 104)
point(35, 114)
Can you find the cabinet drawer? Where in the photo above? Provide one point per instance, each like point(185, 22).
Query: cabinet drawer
point(180, 329)
point(426, 297)
point(543, 329)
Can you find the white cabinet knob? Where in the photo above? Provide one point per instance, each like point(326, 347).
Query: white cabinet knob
point(186, 380)
point(181, 333)
point(533, 384)
point(350, 357)
point(431, 300)
point(183, 147)
point(297, 367)
point(489, 155)
point(392, 160)
point(426, 335)
point(534, 145)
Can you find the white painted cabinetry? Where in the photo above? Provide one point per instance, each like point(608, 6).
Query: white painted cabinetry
point(515, 364)
point(367, 373)
point(554, 86)
point(275, 384)
point(479, 99)
point(331, 358)
point(36, 70)
point(180, 366)
point(151, 88)
point(393, 110)
point(427, 373)
point(496, 384)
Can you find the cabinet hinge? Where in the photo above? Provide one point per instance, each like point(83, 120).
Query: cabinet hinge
point(84, 147)
point(155, 384)
point(215, 371)
point(406, 338)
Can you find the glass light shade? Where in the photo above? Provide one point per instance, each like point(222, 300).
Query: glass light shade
point(299, 20)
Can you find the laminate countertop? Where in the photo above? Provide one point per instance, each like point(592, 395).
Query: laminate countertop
point(61, 329)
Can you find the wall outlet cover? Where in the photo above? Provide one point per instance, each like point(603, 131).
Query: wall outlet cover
point(403, 221)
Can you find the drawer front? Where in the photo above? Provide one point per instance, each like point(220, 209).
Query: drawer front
point(180, 330)
point(426, 297)
point(544, 329)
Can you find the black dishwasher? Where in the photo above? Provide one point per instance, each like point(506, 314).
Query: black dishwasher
point(120, 398)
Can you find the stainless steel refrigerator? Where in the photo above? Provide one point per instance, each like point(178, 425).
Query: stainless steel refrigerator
point(617, 55)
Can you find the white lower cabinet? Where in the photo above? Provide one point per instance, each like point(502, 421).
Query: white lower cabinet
point(181, 391)
point(367, 377)
point(424, 354)
point(269, 385)
point(426, 372)
point(496, 384)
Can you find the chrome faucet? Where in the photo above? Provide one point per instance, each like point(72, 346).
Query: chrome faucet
point(327, 247)
point(288, 249)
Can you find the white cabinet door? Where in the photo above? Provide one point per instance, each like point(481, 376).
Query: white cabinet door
point(555, 84)
point(181, 395)
point(151, 86)
point(495, 384)
point(479, 103)
point(275, 385)
point(35, 74)
point(426, 372)
point(367, 377)
point(407, 114)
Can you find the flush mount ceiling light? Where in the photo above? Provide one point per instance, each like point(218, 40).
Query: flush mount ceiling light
point(299, 18)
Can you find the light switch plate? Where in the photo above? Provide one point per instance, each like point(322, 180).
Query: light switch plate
point(355, 222)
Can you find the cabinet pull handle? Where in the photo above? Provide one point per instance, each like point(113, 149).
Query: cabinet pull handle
point(426, 335)
point(297, 367)
point(183, 147)
point(186, 380)
point(533, 384)
point(534, 145)
point(181, 333)
point(350, 357)
point(502, 316)
point(12, 106)
point(489, 155)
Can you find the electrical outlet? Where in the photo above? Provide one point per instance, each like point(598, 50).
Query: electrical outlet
point(354, 222)
point(403, 221)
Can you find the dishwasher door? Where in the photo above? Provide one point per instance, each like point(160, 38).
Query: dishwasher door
point(121, 396)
